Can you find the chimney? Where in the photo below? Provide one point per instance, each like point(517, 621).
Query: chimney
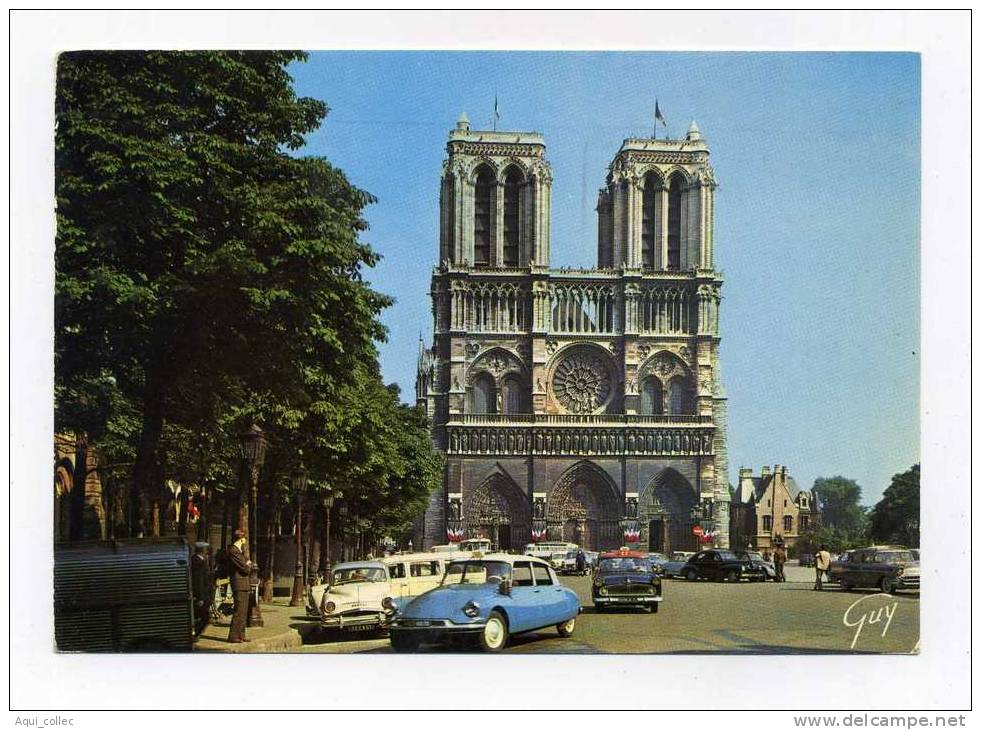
point(766, 471)
point(745, 474)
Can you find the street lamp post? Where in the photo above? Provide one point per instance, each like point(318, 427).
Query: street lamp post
point(299, 483)
point(325, 550)
point(253, 451)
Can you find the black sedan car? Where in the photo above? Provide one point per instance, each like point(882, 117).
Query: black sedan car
point(626, 578)
point(721, 565)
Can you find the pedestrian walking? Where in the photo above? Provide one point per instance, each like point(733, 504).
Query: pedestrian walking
point(779, 558)
point(822, 561)
point(202, 587)
point(240, 569)
point(581, 562)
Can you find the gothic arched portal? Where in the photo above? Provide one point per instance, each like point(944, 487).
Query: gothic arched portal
point(665, 513)
point(584, 508)
point(498, 510)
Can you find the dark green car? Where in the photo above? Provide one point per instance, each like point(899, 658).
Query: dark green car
point(888, 568)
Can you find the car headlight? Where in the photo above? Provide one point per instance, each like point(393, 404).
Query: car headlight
point(471, 609)
point(388, 604)
point(742, 567)
point(899, 571)
point(603, 590)
point(328, 607)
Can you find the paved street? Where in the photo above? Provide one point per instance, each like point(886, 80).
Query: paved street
point(771, 618)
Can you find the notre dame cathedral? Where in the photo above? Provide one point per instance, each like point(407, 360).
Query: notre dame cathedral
point(576, 404)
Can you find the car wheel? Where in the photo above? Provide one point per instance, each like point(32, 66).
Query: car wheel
point(732, 577)
point(690, 575)
point(403, 643)
point(887, 585)
point(494, 637)
point(654, 607)
point(565, 629)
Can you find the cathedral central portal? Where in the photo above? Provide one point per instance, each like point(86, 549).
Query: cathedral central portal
point(583, 405)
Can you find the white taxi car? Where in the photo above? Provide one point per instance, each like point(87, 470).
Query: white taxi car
point(353, 600)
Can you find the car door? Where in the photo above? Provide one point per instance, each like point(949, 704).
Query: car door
point(551, 598)
point(399, 580)
point(523, 605)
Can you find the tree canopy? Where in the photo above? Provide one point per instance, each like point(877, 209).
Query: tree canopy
point(208, 276)
point(844, 522)
point(896, 517)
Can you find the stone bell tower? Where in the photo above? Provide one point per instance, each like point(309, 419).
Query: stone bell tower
point(586, 404)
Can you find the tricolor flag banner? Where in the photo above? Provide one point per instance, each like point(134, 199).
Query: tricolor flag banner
point(631, 533)
point(539, 534)
point(658, 117)
point(454, 534)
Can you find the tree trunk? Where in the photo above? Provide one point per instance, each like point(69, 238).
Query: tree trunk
point(147, 471)
point(269, 565)
point(76, 513)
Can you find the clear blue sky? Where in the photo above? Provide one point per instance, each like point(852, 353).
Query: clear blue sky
point(817, 215)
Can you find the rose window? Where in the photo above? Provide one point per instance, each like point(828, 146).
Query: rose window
point(582, 382)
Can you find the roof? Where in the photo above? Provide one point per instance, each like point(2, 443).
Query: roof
point(358, 564)
point(623, 554)
point(503, 557)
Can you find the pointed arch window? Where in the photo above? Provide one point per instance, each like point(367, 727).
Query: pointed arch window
point(511, 395)
point(674, 221)
point(679, 396)
point(482, 216)
point(648, 236)
point(483, 400)
point(512, 198)
point(651, 397)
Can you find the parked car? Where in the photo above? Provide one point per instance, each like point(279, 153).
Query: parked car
point(124, 595)
point(721, 565)
point(672, 568)
point(769, 569)
point(486, 600)
point(353, 600)
point(553, 552)
point(625, 578)
point(570, 565)
point(889, 568)
point(806, 560)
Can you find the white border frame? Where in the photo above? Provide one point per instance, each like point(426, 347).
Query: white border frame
point(938, 677)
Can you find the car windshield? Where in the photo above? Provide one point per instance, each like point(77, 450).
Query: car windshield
point(620, 565)
point(897, 556)
point(476, 572)
point(727, 555)
point(358, 575)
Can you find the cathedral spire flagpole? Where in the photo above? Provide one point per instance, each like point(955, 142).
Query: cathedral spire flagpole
point(658, 117)
point(497, 112)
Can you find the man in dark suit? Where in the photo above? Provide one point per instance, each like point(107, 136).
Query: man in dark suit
point(239, 569)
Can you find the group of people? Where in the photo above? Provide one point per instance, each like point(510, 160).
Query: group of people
point(240, 572)
point(822, 563)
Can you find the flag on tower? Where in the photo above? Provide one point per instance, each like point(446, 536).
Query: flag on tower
point(497, 112)
point(658, 117)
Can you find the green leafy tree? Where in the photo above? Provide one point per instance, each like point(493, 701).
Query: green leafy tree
point(844, 522)
point(896, 517)
point(200, 267)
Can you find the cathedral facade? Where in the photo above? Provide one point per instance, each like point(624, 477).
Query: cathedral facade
point(583, 405)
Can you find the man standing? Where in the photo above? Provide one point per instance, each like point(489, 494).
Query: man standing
point(201, 586)
point(822, 561)
point(239, 569)
point(779, 558)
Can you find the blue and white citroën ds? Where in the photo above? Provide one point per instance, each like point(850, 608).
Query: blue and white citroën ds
point(486, 599)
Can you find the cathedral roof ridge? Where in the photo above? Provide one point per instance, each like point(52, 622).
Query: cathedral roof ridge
point(497, 137)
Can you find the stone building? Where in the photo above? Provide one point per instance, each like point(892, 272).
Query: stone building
point(576, 403)
point(769, 508)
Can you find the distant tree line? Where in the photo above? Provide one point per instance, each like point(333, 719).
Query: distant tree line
point(208, 277)
point(846, 524)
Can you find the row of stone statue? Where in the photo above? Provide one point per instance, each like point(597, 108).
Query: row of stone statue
point(577, 441)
